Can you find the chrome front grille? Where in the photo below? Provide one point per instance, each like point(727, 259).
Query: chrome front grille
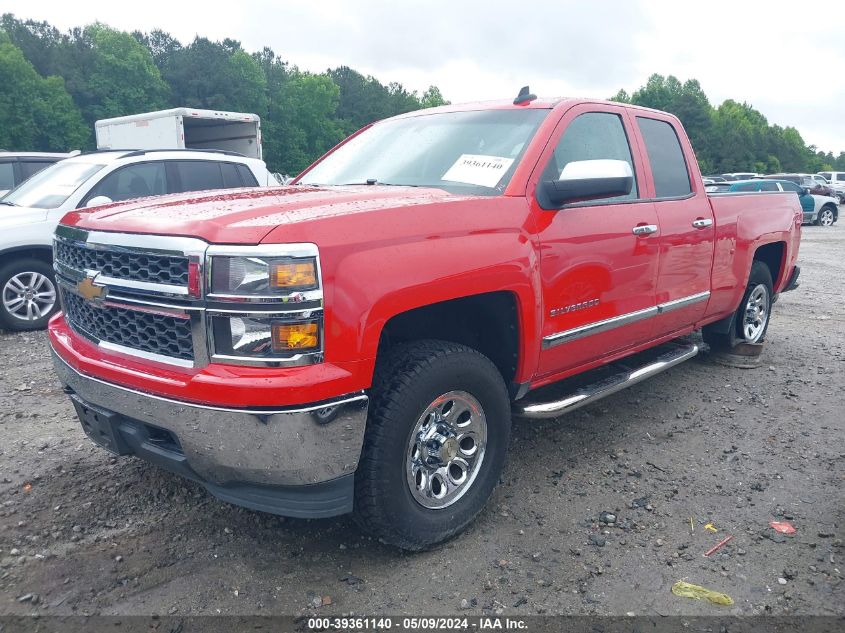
point(152, 333)
point(148, 296)
point(124, 265)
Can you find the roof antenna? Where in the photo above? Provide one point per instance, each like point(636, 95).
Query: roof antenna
point(524, 96)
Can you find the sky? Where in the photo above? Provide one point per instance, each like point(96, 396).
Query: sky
point(785, 59)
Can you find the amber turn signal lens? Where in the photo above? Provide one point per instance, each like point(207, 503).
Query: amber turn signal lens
point(295, 336)
point(294, 275)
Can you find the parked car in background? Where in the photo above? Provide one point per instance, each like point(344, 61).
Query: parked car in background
point(716, 178)
point(821, 210)
point(29, 213)
point(817, 187)
point(16, 167)
point(740, 175)
point(835, 179)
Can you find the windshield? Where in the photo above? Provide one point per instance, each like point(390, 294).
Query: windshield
point(49, 188)
point(461, 152)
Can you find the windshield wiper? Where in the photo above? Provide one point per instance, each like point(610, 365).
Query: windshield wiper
point(7, 203)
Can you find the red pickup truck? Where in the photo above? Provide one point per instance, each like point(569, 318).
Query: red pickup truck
point(359, 340)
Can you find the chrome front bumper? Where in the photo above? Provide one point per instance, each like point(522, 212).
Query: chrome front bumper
point(223, 446)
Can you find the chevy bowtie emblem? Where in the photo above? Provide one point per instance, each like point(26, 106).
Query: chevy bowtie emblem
point(90, 291)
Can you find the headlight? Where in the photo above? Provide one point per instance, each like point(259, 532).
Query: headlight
point(265, 304)
point(264, 338)
point(263, 276)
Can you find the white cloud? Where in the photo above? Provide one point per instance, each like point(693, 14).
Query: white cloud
point(781, 58)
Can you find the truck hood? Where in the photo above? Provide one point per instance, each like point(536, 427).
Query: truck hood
point(246, 216)
point(17, 216)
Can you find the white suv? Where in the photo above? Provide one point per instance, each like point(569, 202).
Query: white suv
point(29, 213)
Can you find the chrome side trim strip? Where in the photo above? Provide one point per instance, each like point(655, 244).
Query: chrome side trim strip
point(599, 326)
point(356, 397)
point(683, 302)
point(596, 391)
point(552, 340)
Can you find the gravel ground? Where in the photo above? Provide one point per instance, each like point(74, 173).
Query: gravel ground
point(84, 533)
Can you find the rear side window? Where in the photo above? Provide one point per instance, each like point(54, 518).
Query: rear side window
point(826, 175)
point(133, 181)
point(791, 186)
point(768, 186)
point(748, 186)
point(668, 166)
point(231, 177)
point(592, 136)
point(197, 175)
point(32, 167)
point(7, 176)
point(247, 176)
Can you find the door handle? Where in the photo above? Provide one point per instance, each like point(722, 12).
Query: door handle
point(702, 223)
point(644, 229)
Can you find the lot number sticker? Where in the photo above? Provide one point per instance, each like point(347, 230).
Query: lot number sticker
point(477, 169)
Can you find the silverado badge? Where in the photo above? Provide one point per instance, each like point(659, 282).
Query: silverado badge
point(89, 290)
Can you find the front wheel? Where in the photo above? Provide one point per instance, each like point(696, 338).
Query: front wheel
point(29, 296)
point(435, 443)
point(827, 216)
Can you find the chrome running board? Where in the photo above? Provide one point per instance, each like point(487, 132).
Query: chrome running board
point(598, 390)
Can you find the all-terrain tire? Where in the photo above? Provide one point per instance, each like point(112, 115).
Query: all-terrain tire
point(407, 382)
point(760, 287)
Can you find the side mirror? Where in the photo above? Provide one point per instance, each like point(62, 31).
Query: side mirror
point(98, 201)
point(583, 180)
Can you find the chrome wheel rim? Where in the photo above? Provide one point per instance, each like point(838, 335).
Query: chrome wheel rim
point(826, 218)
point(446, 449)
point(29, 296)
point(756, 314)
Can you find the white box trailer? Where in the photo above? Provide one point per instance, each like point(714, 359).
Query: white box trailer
point(183, 128)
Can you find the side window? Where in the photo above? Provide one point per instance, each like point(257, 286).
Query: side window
point(747, 186)
point(231, 177)
point(32, 167)
point(768, 186)
point(133, 181)
point(592, 136)
point(826, 175)
point(7, 176)
point(668, 166)
point(197, 175)
point(791, 186)
point(247, 176)
point(840, 176)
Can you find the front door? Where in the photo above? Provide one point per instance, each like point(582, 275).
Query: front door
point(598, 276)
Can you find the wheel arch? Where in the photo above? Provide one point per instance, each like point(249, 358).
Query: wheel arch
point(773, 255)
point(44, 253)
point(487, 322)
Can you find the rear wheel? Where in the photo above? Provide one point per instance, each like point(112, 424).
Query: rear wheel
point(827, 216)
point(751, 320)
point(435, 443)
point(29, 295)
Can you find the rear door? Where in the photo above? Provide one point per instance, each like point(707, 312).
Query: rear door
point(686, 224)
point(597, 275)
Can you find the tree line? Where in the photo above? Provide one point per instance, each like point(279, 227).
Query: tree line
point(58, 84)
point(733, 136)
